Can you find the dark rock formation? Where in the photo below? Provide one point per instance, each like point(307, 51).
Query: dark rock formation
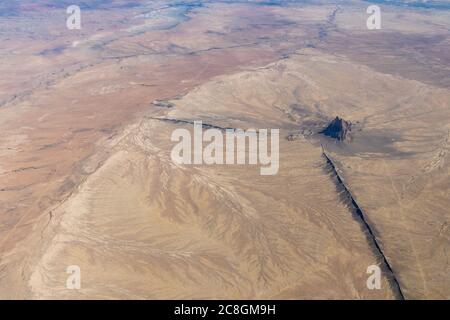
point(338, 129)
point(162, 104)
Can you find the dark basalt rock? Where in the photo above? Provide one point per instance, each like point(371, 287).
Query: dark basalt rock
point(162, 104)
point(338, 129)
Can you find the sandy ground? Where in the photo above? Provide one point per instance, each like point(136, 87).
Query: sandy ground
point(87, 179)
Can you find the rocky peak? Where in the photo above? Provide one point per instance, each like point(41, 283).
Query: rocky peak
point(338, 129)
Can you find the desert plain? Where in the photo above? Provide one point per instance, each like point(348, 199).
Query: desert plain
point(87, 179)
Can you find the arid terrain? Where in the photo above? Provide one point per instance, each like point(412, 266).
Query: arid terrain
point(87, 179)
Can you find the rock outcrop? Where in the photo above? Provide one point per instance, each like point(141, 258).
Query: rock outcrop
point(338, 129)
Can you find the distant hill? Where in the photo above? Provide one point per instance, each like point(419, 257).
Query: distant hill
point(415, 3)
